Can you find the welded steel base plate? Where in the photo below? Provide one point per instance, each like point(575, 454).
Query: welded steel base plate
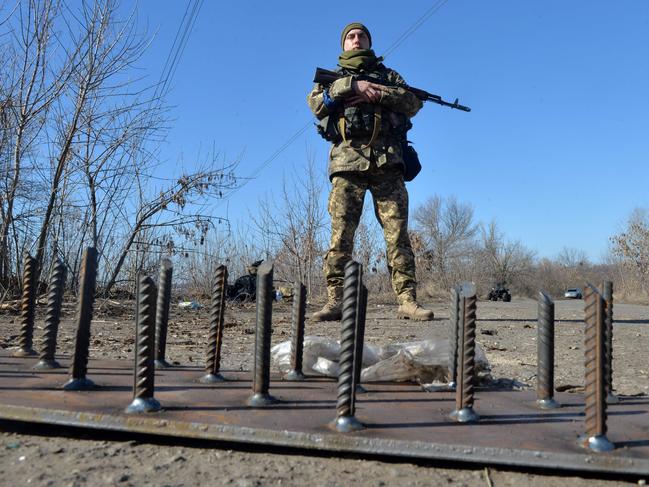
point(401, 420)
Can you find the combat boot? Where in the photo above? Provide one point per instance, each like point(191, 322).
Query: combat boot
point(333, 309)
point(410, 310)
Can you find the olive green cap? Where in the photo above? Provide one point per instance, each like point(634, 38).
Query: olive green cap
point(354, 25)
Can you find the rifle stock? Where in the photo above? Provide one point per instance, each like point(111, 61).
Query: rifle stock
point(325, 77)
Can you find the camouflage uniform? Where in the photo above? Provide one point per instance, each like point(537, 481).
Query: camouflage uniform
point(373, 162)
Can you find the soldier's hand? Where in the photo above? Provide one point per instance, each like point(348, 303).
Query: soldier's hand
point(371, 92)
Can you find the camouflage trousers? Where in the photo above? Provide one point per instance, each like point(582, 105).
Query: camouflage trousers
point(391, 209)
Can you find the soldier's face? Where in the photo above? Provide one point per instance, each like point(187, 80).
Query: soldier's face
point(356, 39)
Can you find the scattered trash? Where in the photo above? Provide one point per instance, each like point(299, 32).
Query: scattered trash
point(189, 305)
point(424, 362)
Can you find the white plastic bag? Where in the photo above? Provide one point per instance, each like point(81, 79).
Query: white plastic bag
point(424, 361)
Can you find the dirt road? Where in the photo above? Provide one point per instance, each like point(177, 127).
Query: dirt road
point(34, 456)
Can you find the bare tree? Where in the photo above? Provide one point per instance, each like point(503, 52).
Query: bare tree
point(292, 227)
point(447, 232)
point(632, 246)
point(508, 262)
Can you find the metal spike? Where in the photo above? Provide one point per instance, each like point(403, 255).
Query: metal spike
point(297, 334)
point(144, 371)
point(345, 420)
point(454, 334)
point(261, 378)
point(464, 392)
point(545, 354)
point(52, 316)
point(595, 394)
point(607, 293)
point(87, 280)
point(27, 309)
point(215, 339)
point(162, 313)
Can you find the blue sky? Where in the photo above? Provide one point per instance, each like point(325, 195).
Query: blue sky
point(556, 148)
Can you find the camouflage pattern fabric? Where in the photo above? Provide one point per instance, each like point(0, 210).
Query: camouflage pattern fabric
point(355, 169)
point(391, 209)
point(350, 155)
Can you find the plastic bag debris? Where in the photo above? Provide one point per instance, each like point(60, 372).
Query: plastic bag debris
point(425, 361)
point(189, 305)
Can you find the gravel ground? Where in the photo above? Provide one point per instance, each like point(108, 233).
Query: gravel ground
point(37, 456)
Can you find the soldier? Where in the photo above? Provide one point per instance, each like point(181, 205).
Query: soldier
point(367, 124)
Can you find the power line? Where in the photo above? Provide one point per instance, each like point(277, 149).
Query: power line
point(411, 30)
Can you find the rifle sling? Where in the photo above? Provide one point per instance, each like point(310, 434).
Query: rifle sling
point(375, 130)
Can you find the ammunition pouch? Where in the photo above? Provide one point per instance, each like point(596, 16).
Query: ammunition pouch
point(328, 129)
point(411, 163)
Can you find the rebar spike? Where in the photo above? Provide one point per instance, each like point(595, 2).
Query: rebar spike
point(595, 391)
point(144, 373)
point(215, 337)
point(261, 378)
point(87, 280)
point(162, 313)
point(297, 332)
point(345, 420)
point(27, 309)
point(545, 353)
point(52, 316)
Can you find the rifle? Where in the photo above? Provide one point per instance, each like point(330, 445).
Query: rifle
point(326, 77)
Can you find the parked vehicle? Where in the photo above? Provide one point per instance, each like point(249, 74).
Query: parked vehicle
point(499, 293)
point(572, 293)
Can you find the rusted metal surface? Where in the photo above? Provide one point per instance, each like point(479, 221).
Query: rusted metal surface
point(545, 354)
point(87, 279)
point(345, 405)
point(595, 356)
point(144, 368)
point(27, 308)
point(162, 313)
point(217, 317)
point(401, 419)
point(261, 378)
point(607, 294)
point(52, 316)
point(298, 316)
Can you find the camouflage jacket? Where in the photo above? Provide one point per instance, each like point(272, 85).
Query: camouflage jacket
point(354, 154)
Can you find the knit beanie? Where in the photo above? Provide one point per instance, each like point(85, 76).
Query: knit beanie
point(354, 25)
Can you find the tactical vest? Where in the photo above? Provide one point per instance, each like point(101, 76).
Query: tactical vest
point(365, 121)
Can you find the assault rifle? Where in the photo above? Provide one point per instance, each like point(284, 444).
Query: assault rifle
point(326, 77)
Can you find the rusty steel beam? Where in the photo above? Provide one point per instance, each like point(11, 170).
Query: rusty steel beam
point(545, 354)
point(298, 316)
point(52, 316)
point(87, 280)
point(261, 375)
point(162, 313)
point(217, 317)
